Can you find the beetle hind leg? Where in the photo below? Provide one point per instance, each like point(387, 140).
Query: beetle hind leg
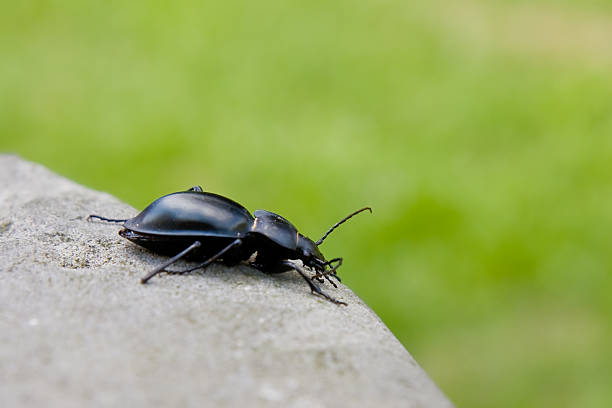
point(237, 242)
point(170, 261)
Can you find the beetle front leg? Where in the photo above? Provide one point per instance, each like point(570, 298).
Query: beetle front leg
point(313, 287)
point(326, 273)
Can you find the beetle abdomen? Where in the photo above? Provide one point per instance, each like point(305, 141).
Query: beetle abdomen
point(191, 213)
point(171, 245)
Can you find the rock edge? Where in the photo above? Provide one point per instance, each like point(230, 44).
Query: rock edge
point(76, 327)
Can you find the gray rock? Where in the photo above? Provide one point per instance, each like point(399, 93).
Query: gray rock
point(78, 329)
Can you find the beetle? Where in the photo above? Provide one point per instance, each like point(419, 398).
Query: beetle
point(207, 227)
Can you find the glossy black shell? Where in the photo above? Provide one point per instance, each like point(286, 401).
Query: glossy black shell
point(193, 213)
point(276, 229)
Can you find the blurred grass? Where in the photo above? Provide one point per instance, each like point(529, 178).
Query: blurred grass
point(480, 133)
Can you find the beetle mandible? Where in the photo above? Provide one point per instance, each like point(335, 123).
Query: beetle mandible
point(208, 227)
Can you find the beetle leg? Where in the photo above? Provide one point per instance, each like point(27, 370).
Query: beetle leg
point(313, 287)
point(329, 280)
point(324, 276)
point(97, 217)
point(332, 269)
point(170, 261)
point(323, 279)
point(331, 272)
point(210, 260)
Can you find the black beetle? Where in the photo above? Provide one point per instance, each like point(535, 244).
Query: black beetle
point(207, 227)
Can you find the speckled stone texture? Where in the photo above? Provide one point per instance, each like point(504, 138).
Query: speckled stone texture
point(78, 329)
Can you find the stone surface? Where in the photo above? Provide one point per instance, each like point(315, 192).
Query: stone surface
point(78, 329)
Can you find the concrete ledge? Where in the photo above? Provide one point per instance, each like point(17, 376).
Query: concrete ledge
point(77, 329)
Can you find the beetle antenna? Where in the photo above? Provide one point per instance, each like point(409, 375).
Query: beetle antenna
point(97, 217)
point(336, 225)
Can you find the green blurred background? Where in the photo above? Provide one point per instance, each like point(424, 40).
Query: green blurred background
point(479, 132)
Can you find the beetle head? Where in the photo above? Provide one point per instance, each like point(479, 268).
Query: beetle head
point(309, 253)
